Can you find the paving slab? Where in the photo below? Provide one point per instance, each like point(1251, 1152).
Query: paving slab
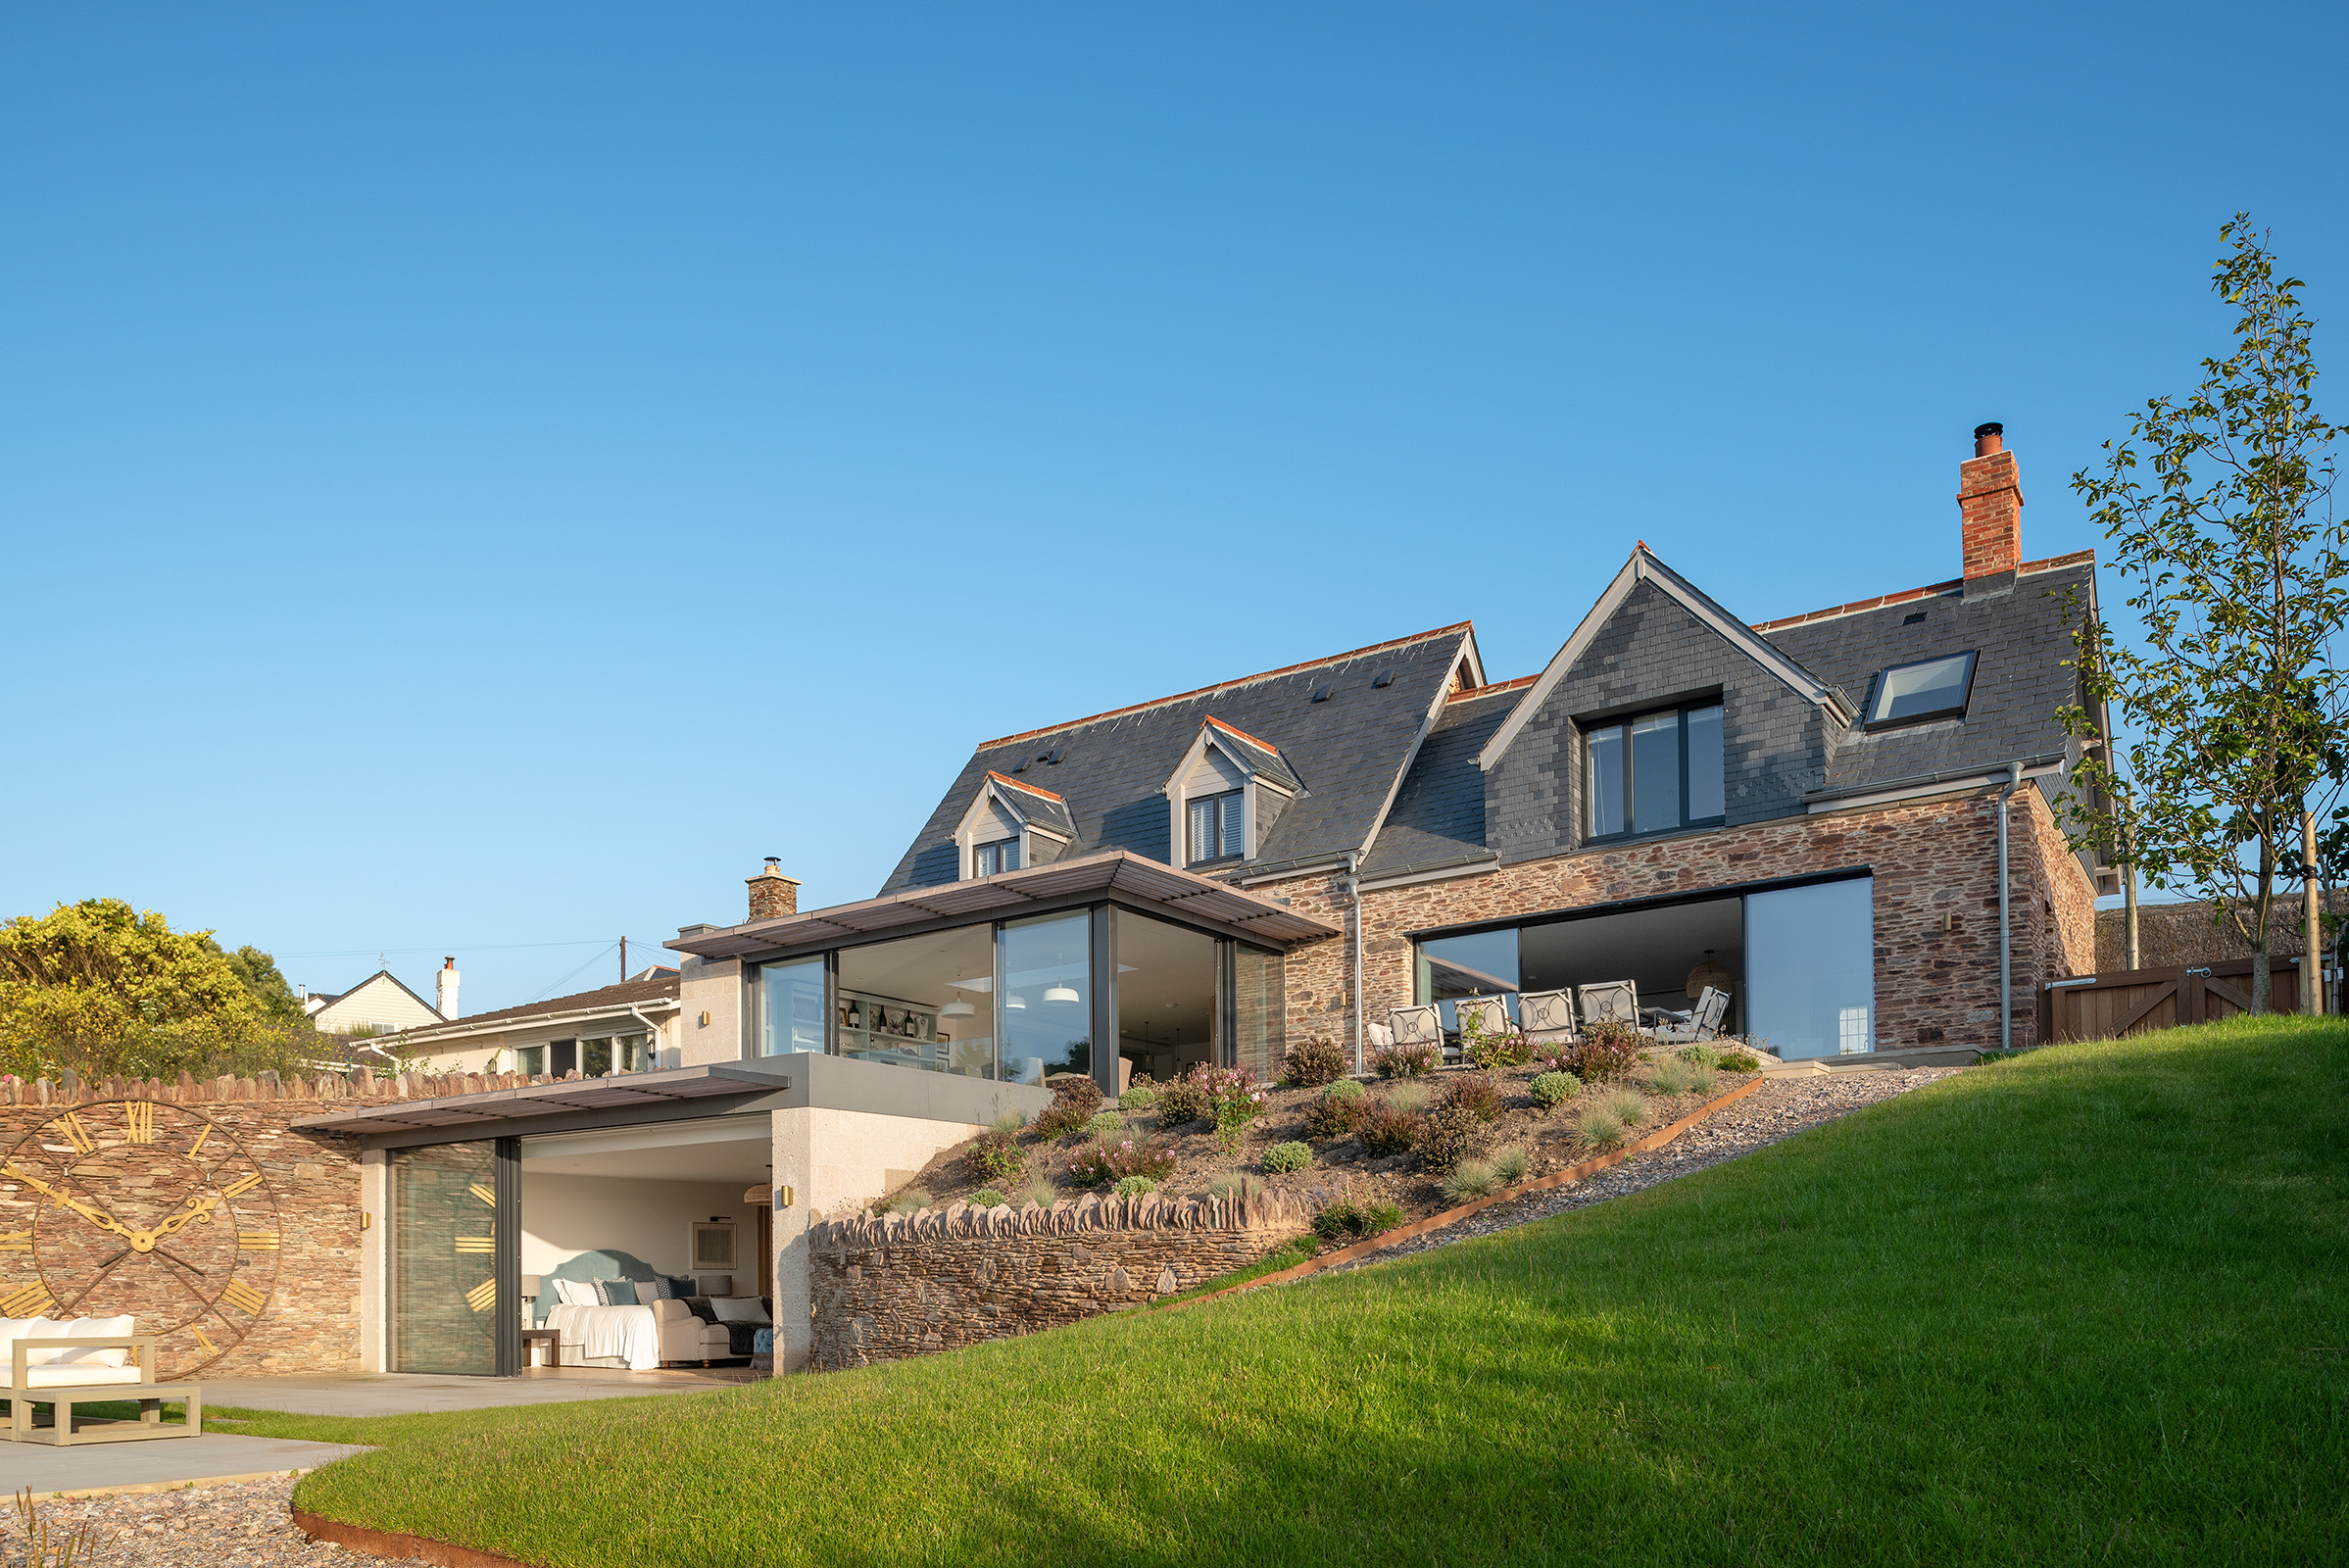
point(158, 1464)
point(417, 1394)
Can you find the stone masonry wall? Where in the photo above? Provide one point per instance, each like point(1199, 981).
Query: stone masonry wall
point(1933, 860)
point(892, 1286)
point(268, 1282)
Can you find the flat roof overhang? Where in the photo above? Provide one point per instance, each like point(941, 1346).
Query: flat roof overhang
point(634, 1091)
point(1119, 872)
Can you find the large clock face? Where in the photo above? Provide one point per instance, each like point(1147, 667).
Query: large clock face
point(134, 1206)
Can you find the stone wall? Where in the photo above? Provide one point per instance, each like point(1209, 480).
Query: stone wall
point(892, 1286)
point(1935, 864)
point(268, 1281)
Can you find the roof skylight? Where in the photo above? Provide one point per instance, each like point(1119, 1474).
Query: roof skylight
point(1931, 688)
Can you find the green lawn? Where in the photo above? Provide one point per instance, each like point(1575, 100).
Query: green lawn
point(2083, 1306)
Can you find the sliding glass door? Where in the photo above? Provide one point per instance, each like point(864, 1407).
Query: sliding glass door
point(454, 1244)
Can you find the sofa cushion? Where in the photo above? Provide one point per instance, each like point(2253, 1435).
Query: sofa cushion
point(739, 1309)
point(76, 1377)
point(98, 1328)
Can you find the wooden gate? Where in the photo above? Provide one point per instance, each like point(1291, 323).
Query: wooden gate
point(2137, 1002)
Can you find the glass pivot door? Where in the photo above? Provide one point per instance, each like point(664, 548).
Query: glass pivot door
point(455, 1273)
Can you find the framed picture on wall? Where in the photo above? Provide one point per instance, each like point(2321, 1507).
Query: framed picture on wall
point(713, 1245)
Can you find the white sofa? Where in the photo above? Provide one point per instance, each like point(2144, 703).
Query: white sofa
point(56, 1367)
point(685, 1337)
point(69, 1361)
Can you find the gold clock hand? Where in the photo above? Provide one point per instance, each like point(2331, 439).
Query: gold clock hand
point(89, 1211)
point(197, 1208)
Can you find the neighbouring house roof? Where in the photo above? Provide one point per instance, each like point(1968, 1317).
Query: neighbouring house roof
point(1350, 748)
point(663, 991)
point(2023, 672)
point(379, 977)
point(1007, 893)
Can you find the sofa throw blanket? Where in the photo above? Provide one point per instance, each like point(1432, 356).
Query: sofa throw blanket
point(625, 1332)
point(739, 1336)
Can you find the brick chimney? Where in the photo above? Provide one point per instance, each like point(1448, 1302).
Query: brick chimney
point(1990, 510)
point(772, 894)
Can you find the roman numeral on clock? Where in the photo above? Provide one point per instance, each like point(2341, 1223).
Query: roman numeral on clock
point(209, 1349)
point(244, 1298)
point(258, 1241)
point(76, 1134)
point(199, 1143)
point(476, 1244)
point(242, 1183)
point(487, 1193)
point(16, 1241)
point(26, 1301)
point(482, 1297)
point(140, 1114)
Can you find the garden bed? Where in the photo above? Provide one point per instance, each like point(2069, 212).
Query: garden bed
point(1199, 1157)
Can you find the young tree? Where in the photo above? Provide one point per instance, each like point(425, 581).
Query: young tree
point(2237, 567)
point(100, 988)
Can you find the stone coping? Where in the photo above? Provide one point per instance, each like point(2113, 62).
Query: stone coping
point(1096, 1212)
point(363, 1083)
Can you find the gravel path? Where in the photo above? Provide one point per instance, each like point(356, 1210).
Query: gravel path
point(241, 1526)
point(1779, 1109)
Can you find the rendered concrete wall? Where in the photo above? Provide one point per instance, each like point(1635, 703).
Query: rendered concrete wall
point(715, 988)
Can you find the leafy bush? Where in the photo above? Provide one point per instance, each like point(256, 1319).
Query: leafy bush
point(1409, 1096)
point(1470, 1178)
point(1314, 1061)
point(1039, 1192)
point(1103, 1161)
point(1134, 1186)
point(1449, 1135)
point(1473, 1092)
point(1668, 1077)
point(1233, 1096)
point(1182, 1101)
point(1386, 1129)
point(1234, 1184)
point(1009, 1123)
point(1503, 1048)
point(1553, 1088)
point(1699, 1056)
point(1282, 1158)
point(1738, 1059)
point(984, 1197)
point(1404, 1061)
point(1511, 1165)
point(1141, 1094)
point(1700, 1079)
point(1337, 1113)
point(1074, 1100)
point(907, 1200)
point(1105, 1125)
point(1599, 1126)
point(1349, 1221)
point(1604, 1052)
point(1627, 1107)
point(998, 1155)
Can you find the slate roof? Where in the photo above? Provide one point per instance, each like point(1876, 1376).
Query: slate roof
point(2022, 671)
point(1438, 817)
point(1348, 749)
point(1039, 805)
point(1261, 755)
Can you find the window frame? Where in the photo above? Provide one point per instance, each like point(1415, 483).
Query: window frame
point(1876, 690)
point(1229, 805)
point(1623, 723)
point(1019, 848)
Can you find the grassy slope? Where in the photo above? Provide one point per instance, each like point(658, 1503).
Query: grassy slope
point(2083, 1306)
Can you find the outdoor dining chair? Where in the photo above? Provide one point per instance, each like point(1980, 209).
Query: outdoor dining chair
point(1416, 1026)
point(1698, 1023)
point(1618, 1000)
point(1546, 1016)
point(1488, 1015)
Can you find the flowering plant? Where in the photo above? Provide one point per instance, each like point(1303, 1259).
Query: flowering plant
point(1105, 1160)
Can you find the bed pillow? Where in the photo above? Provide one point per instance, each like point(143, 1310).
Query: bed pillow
point(739, 1309)
point(574, 1293)
point(681, 1285)
point(655, 1289)
point(617, 1292)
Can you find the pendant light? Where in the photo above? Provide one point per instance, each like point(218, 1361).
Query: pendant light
point(1059, 991)
point(960, 1006)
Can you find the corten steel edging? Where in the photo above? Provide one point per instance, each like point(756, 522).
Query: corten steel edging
point(385, 1544)
point(1452, 1216)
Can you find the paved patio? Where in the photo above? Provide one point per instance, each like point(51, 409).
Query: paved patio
point(417, 1394)
point(160, 1464)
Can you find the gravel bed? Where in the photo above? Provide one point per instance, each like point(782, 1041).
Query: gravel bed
point(240, 1526)
point(1779, 1109)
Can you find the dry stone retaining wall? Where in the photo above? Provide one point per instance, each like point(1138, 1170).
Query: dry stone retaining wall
point(891, 1286)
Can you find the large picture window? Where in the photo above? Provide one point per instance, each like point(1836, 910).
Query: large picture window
point(1654, 773)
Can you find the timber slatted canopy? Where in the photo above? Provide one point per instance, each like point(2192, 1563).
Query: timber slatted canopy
point(622, 1092)
point(1006, 893)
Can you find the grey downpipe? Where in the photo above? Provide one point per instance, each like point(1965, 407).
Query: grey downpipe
point(1353, 892)
point(2006, 969)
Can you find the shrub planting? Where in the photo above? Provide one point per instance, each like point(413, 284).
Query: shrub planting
point(1314, 1061)
point(1404, 1061)
point(1738, 1059)
point(1668, 1077)
point(1700, 1079)
point(1412, 1098)
point(1141, 1094)
point(1110, 1160)
point(1105, 1125)
point(1502, 1048)
point(1470, 1178)
point(984, 1197)
point(907, 1200)
point(1449, 1135)
point(1134, 1186)
point(1234, 1184)
point(1598, 1126)
point(1627, 1107)
point(998, 1155)
point(1182, 1101)
point(1472, 1092)
point(1699, 1056)
point(1553, 1088)
point(1074, 1100)
point(1338, 1111)
point(1009, 1123)
point(1604, 1052)
point(1511, 1165)
point(1387, 1129)
point(1282, 1158)
point(1039, 1192)
point(1349, 1221)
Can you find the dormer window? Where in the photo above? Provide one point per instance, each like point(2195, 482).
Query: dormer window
point(1010, 825)
point(1218, 826)
point(1003, 854)
point(1928, 689)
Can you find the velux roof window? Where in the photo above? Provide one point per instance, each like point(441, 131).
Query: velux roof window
point(1931, 688)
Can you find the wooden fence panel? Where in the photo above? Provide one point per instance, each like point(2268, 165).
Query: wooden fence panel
point(2137, 1002)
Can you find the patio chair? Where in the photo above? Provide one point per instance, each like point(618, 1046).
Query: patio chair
point(1700, 1022)
point(1546, 1016)
point(1618, 1000)
point(50, 1363)
point(1486, 1014)
point(1417, 1026)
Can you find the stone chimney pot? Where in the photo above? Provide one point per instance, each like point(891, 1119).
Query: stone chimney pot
point(772, 894)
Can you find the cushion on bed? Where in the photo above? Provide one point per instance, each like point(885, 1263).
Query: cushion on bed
point(617, 1292)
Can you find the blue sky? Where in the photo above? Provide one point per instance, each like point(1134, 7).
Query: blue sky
point(475, 479)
